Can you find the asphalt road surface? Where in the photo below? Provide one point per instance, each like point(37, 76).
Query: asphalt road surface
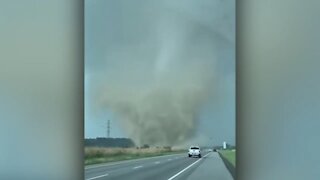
point(170, 167)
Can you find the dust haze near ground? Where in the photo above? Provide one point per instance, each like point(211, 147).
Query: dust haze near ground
point(163, 111)
point(161, 70)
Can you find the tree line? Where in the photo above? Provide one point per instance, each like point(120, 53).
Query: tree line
point(109, 142)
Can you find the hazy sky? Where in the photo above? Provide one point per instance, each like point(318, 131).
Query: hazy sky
point(130, 44)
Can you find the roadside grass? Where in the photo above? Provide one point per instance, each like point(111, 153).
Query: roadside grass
point(229, 159)
point(96, 155)
point(230, 155)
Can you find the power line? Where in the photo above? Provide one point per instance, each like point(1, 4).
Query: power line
point(108, 129)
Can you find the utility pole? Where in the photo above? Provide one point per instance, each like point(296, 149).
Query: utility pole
point(108, 129)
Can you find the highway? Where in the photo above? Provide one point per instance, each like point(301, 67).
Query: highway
point(169, 167)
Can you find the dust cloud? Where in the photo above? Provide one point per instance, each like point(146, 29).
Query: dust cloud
point(163, 112)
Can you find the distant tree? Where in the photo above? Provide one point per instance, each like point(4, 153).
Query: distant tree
point(109, 142)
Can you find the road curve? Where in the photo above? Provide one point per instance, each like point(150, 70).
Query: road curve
point(169, 167)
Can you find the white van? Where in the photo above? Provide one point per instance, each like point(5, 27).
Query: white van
point(194, 151)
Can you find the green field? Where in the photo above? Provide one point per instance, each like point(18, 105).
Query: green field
point(230, 155)
point(95, 155)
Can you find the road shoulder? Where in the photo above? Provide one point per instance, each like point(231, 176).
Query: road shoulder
point(212, 167)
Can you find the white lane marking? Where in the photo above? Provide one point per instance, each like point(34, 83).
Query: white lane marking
point(187, 167)
point(128, 161)
point(158, 162)
point(98, 177)
point(137, 167)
